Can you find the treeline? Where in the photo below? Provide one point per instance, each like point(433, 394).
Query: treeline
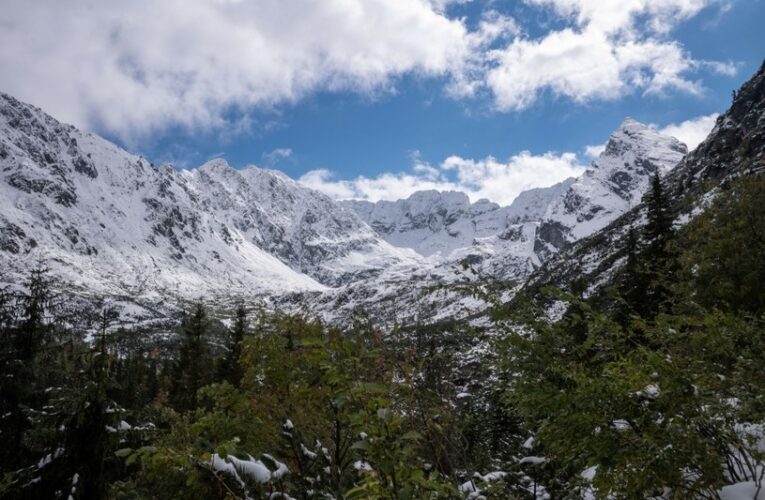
point(651, 387)
point(279, 406)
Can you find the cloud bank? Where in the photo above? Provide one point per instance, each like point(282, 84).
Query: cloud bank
point(134, 68)
point(498, 181)
point(692, 131)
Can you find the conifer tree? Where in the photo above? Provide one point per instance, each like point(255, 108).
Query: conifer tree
point(24, 333)
point(230, 367)
point(36, 301)
point(87, 440)
point(193, 368)
point(658, 230)
point(659, 260)
point(631, 283)
point(12, 421)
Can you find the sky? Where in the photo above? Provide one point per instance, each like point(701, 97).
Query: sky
point(375, 99)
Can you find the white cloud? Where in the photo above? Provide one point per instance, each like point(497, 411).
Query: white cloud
point(278, 154)
point(609, 49)
point(488, 178)
point(692, 131)
point(614, 16)
point(132, 68)
point(322, 180)
point(594, 150)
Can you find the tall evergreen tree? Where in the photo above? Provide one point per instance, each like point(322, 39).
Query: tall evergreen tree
point(631, 283)
point(230, 368)
point(193, 367)
point(23, 336)
point(658, 229)
point(658, 258)
point(84, 421)
point(36, 301)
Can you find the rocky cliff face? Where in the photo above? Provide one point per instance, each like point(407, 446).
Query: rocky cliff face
point(613, 185)
point(111, 222)
point(734, 147)
point(735, 144)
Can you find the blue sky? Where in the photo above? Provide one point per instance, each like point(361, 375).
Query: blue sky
point(451, 94)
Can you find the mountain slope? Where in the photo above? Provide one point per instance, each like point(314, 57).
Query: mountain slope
point(614, 184)
point(475, 244)
point(734, 147)
point(110, 222)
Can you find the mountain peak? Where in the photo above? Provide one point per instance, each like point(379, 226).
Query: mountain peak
point(630, 122)
point(634, 140)
point(215, 165)
point(618, 178)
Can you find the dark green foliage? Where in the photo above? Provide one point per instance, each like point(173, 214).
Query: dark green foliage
point(655, 387)
point(193, 370)
point(659, 394)
point(55, 407)
point(724, 255)
point(651, 263)
point(230, 368)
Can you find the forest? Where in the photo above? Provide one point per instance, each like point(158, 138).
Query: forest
point(650, 385)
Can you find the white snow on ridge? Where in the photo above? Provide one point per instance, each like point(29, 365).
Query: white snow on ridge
point(110, 223)
point(617, 180)
point(436, 224)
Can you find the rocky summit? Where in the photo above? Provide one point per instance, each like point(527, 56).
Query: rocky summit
point(107, 222)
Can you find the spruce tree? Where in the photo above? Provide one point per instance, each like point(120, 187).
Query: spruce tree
point(230, 368)
point(24, 332)
point(631, 282)
point(658, 229)
point(658, 259)
point(36, 302)
point(12, 420)
point(193, 368)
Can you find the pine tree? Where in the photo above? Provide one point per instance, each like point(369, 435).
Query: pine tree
point(193, 368)
point(230, 368)
point(658, 259)
point(24, 332)
point(12, 420)
point(36, 301)
point(75, 427)
point(631, 283)
point(658, 230)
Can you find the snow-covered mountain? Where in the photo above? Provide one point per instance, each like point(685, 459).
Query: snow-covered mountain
point(440, 222)
point(614, 184)
point(503, 243)
point(540, 221)
point(110, 222)
point(735, 147)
